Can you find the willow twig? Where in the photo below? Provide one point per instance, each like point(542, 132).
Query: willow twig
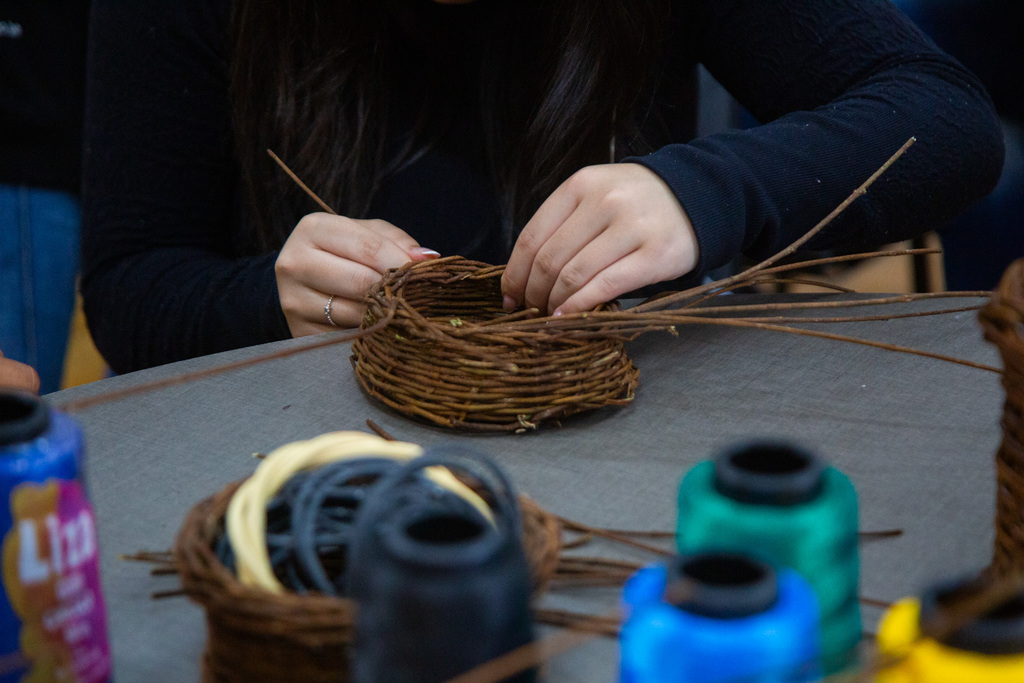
point(874, 602)
point(773, 282)
point(880, 534)
point(611, 536)
point(855, 340)
point(379, 430)
point(799, 265)
point(298, 181)
point(885, 317)
point(184, 378)
point(746, 274)
point(843, 258)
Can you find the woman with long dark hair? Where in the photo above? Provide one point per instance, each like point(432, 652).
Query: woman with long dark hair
point(556, 135)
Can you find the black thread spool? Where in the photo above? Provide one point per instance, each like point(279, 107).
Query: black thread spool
point(440, 590)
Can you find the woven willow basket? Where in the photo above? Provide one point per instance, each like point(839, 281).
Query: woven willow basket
point(439, 359)
point(1003, 322)
point(254, 635)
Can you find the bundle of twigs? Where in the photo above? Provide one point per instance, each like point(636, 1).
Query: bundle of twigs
point(253, 634)
point(1003, 322)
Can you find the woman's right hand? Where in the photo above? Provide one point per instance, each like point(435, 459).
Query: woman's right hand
point(342, 257)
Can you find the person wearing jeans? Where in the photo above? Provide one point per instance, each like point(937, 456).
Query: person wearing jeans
point(38, 264)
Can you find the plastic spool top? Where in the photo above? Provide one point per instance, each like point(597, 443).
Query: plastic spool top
point(721, 585)
point(23, 417)
point(769, 474)
point(999, 631)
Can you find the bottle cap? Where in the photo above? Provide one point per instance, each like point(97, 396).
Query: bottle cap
point(721, 585)
point(23, 417)
point(769, 474)
point(999, 631)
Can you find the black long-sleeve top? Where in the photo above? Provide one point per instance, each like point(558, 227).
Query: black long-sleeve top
point(839, 85)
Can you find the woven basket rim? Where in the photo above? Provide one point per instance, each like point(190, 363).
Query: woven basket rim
point(389, 293)
point(457, 370)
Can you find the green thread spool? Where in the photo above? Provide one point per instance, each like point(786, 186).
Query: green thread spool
point(782, 505)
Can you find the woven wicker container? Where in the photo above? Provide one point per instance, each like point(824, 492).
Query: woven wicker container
point(1003, 322)
point(441, 359)
point(254, 635)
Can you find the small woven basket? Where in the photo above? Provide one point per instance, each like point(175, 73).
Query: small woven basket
point(439, 358)
point(255, 635)
point(1003, 322)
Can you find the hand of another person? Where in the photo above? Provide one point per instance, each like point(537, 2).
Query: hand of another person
point(335, 256)
point(605, 231)
point(15, 375)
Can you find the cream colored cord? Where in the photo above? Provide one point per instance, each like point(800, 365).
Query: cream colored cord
point(246, 520)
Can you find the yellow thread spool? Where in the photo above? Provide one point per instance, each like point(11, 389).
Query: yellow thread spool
point(924, 660)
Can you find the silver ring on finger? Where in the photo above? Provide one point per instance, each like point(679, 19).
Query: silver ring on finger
point(327, 311)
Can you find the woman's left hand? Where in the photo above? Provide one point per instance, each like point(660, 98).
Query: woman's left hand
point(605, 231)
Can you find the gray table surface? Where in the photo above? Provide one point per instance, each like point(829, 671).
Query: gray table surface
point(917, 436)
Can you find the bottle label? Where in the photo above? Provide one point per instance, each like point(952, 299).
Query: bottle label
point(52, 580)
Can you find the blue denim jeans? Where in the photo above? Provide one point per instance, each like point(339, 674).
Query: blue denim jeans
point(39, 245)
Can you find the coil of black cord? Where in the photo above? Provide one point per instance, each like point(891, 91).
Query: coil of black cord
point(311, 519)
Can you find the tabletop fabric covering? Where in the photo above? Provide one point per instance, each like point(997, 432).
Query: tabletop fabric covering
point(917, 437)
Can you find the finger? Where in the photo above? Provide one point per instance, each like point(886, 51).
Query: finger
point(326, 272)
point(555, 210)
point(18, 376)
point(628, 273)
point(402, 239)
point(583, 227)
point(357, 242)
point(310, 309)
point(599, 254)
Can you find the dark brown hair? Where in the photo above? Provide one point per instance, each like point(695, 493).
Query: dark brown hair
point(314, 80)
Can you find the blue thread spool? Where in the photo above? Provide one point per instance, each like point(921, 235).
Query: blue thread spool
point(440, 589)
point(782, 505)
point(718, 617)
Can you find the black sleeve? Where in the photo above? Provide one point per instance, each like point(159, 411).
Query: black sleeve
point(987, 36)
point(839, 86)
point(162, 277)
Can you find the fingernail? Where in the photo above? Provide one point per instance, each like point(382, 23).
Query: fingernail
point(422, 254)
point(508, 303)
point(558, 312)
